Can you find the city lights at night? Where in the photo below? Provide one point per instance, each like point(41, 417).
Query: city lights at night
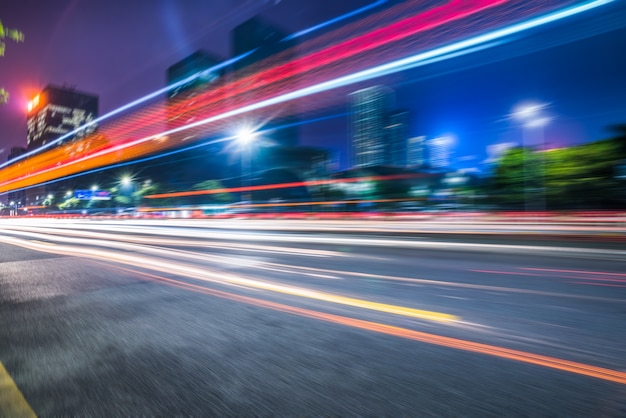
point(298, 208)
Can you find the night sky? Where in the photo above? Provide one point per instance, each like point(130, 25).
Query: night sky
point(120, 50)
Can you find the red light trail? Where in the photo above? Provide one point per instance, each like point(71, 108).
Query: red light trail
point(138, 134)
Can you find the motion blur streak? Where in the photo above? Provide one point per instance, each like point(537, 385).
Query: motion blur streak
point(216, 276)
point(104, 238)
point(187, 243)
point(394, 32)
point(182, 229)
point(539, 360)
point(189, 79)
point(283, 186)
point(336, 20)
point(580, 274)
point(576, 271)
point(101, 151)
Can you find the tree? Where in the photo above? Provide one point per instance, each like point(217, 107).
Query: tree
point(135, 196)
point(16, 36)
point(510, 177)
point(70, 203)
point(222, 197)
point(582, 176)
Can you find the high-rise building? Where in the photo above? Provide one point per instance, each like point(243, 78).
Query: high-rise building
point(59, 110)
point(263, 40)
point(439, 152)
point(369, 109)
point(180, 99)
point(198, 62)
point(181, 108)
point(397, 131)
point(260, 36)
point(53, 113)
point(416, 151)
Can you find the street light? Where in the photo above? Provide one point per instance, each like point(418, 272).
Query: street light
point(533, 120)
point(126, 182)
point(246, 137)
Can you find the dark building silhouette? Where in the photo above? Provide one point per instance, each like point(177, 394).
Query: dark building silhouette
point(257, 34)
point(268, 47)
point(200, 62)
point(180, 110)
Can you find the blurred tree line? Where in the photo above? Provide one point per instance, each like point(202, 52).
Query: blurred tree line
point(582, 176)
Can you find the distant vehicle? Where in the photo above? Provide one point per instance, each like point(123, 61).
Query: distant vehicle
point(127, 213)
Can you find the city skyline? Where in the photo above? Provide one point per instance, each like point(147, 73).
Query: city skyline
point(442, 97)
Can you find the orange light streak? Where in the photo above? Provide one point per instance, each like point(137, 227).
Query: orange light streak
point(117, 147)
point(455, 343)
point(285, 185)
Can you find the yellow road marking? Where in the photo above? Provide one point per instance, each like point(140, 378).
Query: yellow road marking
point(455, 343)
point(12, 402)
point(219, 277)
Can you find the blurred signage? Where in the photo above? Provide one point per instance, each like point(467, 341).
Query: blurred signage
point(92, 195)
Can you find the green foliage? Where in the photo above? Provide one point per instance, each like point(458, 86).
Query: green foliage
point(13, 34)
point(511, 174)
point(16, 36)
point(48, 201)
point(574, 177)
point(222, 197)
point(70, 203)
point(133, 195)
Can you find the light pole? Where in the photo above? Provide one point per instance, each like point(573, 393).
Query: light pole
point(126, 182)
point(533, 120)
point(245, 138)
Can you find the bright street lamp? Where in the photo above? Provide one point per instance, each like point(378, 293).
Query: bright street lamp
point(246, 137)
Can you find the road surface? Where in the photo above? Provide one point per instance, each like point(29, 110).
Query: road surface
point(277, 318)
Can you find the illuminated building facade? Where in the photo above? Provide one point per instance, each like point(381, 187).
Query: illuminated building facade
point(416, 151)
point(439, 152)
point(59, 110)
point(397, 137)
point(369, 110)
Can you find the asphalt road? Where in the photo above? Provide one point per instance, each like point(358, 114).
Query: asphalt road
point(241, 318)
